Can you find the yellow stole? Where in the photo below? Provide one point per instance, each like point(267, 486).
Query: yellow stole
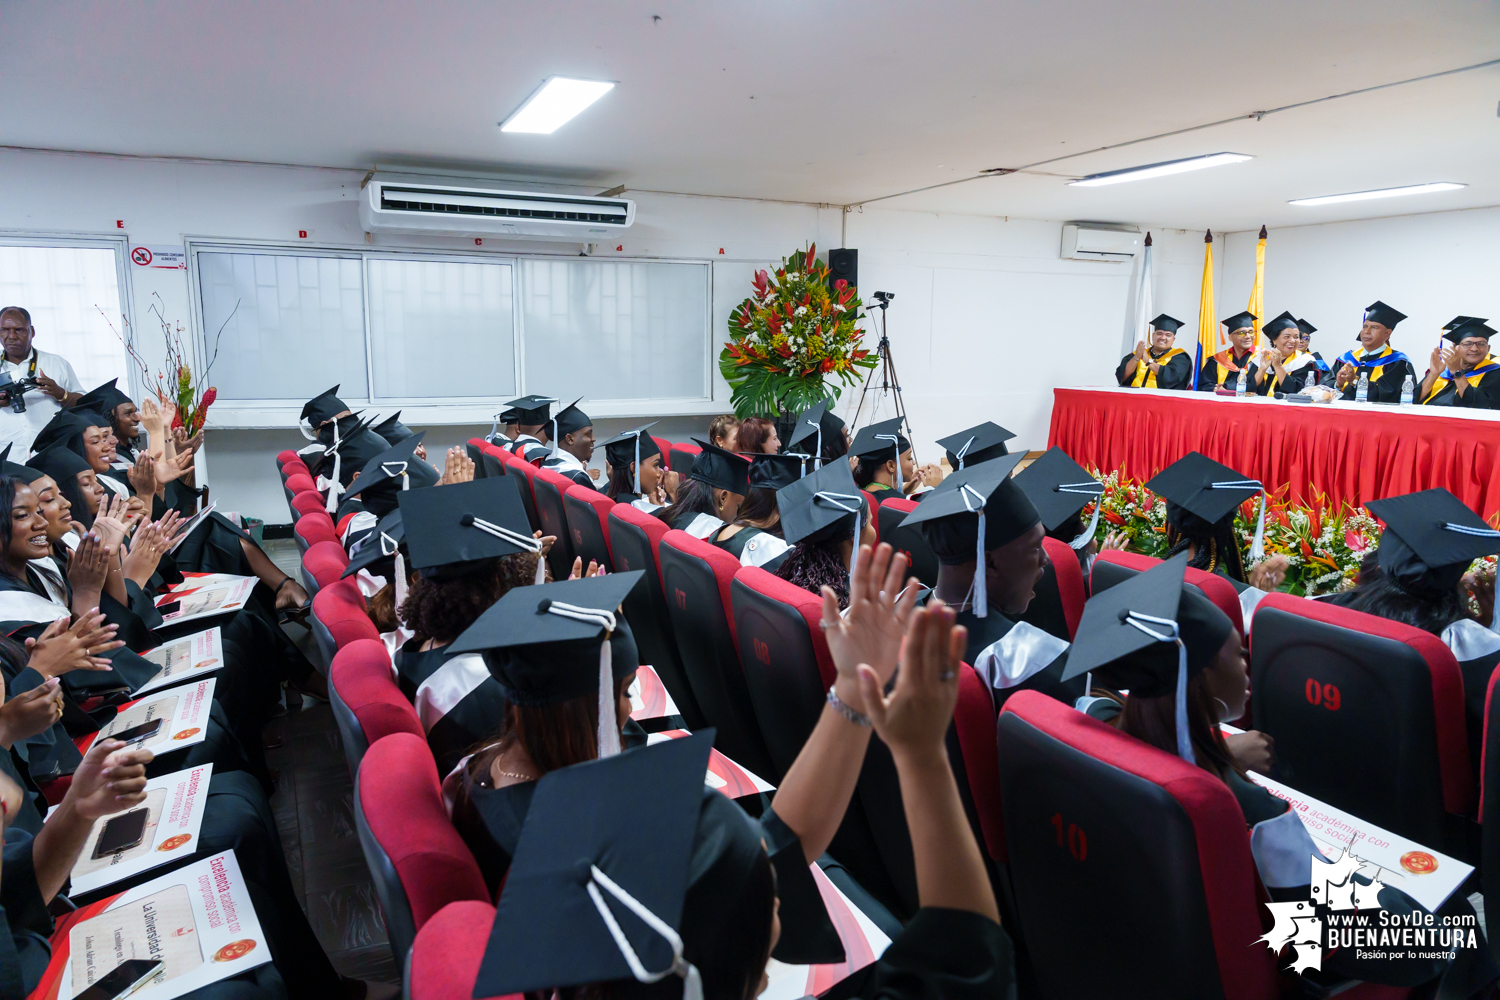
point(1360, 355)
point(1482, 369)
point(1226, 364)
point(1144, 376)
point(1274, 380)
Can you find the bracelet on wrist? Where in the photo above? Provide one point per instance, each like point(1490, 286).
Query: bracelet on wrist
point(858, 718)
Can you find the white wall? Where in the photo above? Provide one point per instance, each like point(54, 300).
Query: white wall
point(1431, 267)
point(987, 318)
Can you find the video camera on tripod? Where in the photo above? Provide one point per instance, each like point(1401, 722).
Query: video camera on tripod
point(14, 390)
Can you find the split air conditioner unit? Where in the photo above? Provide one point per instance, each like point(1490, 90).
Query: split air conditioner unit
point(1100, 241)
point(404, 206)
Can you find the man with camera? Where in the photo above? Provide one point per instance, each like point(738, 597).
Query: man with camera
point(34, 385)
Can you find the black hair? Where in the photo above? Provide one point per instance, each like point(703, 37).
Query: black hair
point(17, 309)
point(1218, 549)
point(864, 472)
point(760, 506)
point(72, 491)
point(621, 480)
point(694, 497)
point(8, 527)
point(818, 560)
point(1379, 594)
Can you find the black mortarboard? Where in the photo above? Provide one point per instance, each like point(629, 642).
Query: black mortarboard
point(624, 448)
point(65, 430)
point(1240, 321)
point(1473, 328)
point(880, 442)
point(979, 443)
point(1058, 487)
point(1379, 312)
point(380, 544)
point(1285, 321)
point(1307, 328)
point(1461, 320)
point(1167, 323)
point(1189, 483)
point(322, 408)
point(568, 420)
point(103, 398)
point(62, 464)
point(772, 472)
point(528, 410)
point(1430, 539)
point(24, 473)
point(821, 505)
point(1127, 633)
point(463, 527)
point(720, 469)
point(392, 466)
point(392, 429)
point(806, 428)
point(950, 517)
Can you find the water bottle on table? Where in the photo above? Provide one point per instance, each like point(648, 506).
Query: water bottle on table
point(1408, 390)
point(1362, 390)
point(1239, 385)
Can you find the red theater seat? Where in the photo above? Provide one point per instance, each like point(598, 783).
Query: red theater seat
point(923, 563)
point(682, 456)
point(322, 565)
point(446, 954)
point(300, 483)
point(474, 448)
point(314, 528)
point(1112, 566)
point(367, 704)
point(492, 460)
point(286, 456)
point(634, 537)
point(309, 502)
point(1367, 714)
point(587, 511)
point(339, 618)
point(417, 860)
point(1060, 597)
point(547, 488)
point(1177, 914)
point(695, 580)
point(297, 468)
point(521, 472)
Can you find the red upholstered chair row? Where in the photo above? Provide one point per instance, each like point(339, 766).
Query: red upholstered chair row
point(1058, 603)
point(418, 862)
point(308, 502)
point(284, 457)
point(299, 483)
point(681, 457)
point(322, 565)
point(587, 511)
point(339, 618)
point(547, 489)
point(313, 528)
point(367, 704)
point(446, 954)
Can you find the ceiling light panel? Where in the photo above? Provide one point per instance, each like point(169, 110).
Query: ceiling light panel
point(558, 101)
point(1165, 169)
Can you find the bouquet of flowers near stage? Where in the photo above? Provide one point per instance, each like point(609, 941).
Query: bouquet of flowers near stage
point(793, 332)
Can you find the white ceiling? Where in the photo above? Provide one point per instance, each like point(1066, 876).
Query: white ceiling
point(832, 101)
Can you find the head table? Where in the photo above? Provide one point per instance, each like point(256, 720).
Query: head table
point(1353, 452)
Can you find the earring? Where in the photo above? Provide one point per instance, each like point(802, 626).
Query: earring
point(1225, 710)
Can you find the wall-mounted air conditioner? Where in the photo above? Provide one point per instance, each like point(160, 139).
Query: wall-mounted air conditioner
point(1100, 241)
point(403, 206)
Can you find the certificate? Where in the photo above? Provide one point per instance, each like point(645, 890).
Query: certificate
point(173, 815)
point(206, 595)
point(182, 711)
point(723, 774)
point(184, 659)
point(863, 944)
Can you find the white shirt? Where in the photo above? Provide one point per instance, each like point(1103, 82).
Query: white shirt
point(20, 429)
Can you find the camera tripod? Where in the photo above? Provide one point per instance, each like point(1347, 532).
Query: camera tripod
point(890, 383)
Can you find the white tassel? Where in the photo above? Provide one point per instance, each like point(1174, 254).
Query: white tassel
point(692, 986)
point(1184, 738)
point(400, 585)
point(1257, 545)
point(895, 440)
point(637, 465)
point(334, 486)
point(974, 502)
point(609, 727)
point(541, 569)
point(963, 451)
point(1091, 488)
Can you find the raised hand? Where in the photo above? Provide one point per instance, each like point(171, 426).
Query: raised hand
point(880, 612)
point(1268, 574)
point(1436, 362)
point(1253, 751)
point(88, 569)
point(594, 569)
point(1117, 540)
point(30, 713)
point(671, 483)
point(547, 541)
point(1140, 350)
point(183, 443)
point(151, 419)
point(1345, 376)
point(914, 720)
point(151, 543)
point(109, 523)
point(62, 649)
point(142, 475)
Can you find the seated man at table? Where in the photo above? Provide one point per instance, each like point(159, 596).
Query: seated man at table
point(1162, 366)
point(1281, 366)
point(1307, 331)
point(1386, 366)
point(1227, 364)
point(1464, 374)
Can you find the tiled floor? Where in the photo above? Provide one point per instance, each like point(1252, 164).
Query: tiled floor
point(314, 812)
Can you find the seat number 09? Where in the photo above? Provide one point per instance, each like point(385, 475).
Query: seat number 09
point(1326, 695)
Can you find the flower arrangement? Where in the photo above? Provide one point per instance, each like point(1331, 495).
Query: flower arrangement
point(182, 390)
point(1323, 545)
point(793, 332)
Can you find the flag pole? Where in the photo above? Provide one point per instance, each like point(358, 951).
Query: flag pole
point(1208, 324)
point(1257, 291)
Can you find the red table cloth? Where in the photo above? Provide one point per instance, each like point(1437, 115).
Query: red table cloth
point(1353, 452)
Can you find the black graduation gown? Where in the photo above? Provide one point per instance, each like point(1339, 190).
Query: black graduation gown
point(1484, 396)
point(1291, 385)
point(1384, 389)
point(750, 546)
point(1177, 373)
point(460, 705)
point(1208, 375)
point(952, 954)
point(1042, 667)
point(414, 665)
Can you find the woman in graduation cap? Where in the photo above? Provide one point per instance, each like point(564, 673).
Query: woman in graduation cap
point(573, 445)
point(716, 487)
point(1386, 367)
point(754, 537)
point(1184, 663)
point(884, 461)
point(825, 519)
point(1230, 362)
point(1159, 366)
point(816, 432)
point(976, 444)
point(1307, 330)
point(1281, 366)
point(636, 472)
point(1464, 374)
point(561, 662)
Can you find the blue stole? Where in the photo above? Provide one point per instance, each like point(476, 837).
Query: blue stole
point(1378, 362)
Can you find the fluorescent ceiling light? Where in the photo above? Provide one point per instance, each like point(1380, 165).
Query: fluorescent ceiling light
point(1160, 169)
point(1335, 199)
point(554, 105)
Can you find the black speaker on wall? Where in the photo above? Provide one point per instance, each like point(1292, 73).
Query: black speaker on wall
point(843, 264)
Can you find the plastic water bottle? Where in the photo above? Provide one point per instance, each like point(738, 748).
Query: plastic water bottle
point(1239, 385)
point(1408, 390)
point(1362, 391)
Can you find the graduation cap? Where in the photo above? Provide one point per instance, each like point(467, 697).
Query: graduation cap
point(722, 470)
point(771, 472)
point(529, 410)
point(882, 442)
point(397, 467)
point(1473, 328)
point(820, 504)
point(558, 641)
point(979, 443)
point(808, 427)
point(1307, 328)
point(1458, 321)
point(1430, 539)
point(464, 527)
point(1240, 321)
point(632, 446)
point(392, 429)
point(1286, 321)
point(1151, 633)
point(1003, 513)
point(322, 408)
point(1167, 323)
point(1059, 488)
point(382, 543)
point(103, 398)
point(22, 473)
point(1379, 312)
point(568, 420)
point(62, 464)
point(1208, 490)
